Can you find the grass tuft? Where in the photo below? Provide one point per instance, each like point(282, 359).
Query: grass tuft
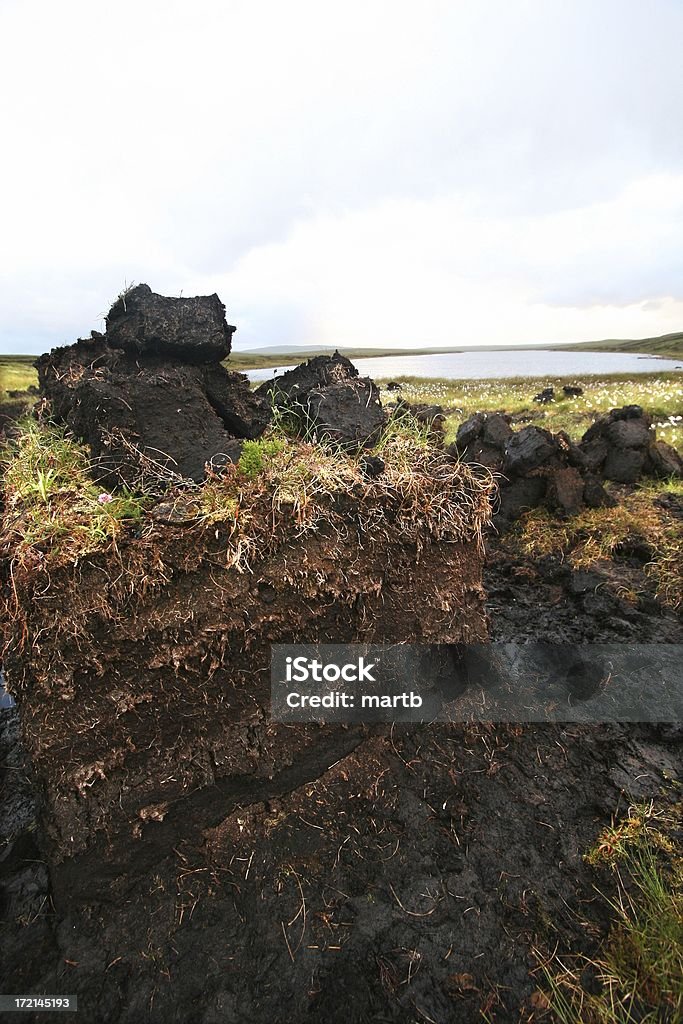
point(638, 977)
point(255, 455)
point(595, 535)
point(51, 499)
point(643, 827)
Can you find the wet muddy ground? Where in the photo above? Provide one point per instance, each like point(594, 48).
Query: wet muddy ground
point(392, 875)
point(546, 600)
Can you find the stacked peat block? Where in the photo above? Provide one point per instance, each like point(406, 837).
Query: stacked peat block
point(537, 467)
point(622, 446)
point(534, 467)
point(153, 389)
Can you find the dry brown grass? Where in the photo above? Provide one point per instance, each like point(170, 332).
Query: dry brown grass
point(56, 514)
point(597, 534)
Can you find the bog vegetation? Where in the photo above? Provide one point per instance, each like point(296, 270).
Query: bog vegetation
point(54, 510)
point(638, 975)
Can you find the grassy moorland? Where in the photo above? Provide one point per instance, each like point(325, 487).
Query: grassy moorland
point(16, 374)
point(668, 345)
point(637, 975)
point(661, 394)
point(15, 369)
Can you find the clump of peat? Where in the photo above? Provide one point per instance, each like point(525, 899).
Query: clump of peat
point(152, 395)
point(623, 446)
point(151, 391)
point(538, 468)
point(326, 399)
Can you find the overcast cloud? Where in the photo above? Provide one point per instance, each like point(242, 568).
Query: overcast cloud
point(380, 173)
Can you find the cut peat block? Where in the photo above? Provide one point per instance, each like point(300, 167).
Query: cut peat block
point(140, 657)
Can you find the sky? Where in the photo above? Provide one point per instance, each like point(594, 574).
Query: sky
point(365, 173)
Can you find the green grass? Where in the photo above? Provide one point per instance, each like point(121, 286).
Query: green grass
point(670, 345)
point(16, 374)
point(52, 499)
point(255, 455)
point(661, 394)
point(640, 967)
point(242, 361)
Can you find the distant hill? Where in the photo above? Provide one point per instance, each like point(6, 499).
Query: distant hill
point(274, 350)
point(667, 345)
point(280, 355)
point(670, 345)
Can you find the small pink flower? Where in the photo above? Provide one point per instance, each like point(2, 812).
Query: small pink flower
point(105, 498)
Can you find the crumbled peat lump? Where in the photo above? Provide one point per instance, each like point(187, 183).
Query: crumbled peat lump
point(537, 467)
point(622, 446)
point(151, 393)
point(545, 396)
point(328, 400)
point(143, 673)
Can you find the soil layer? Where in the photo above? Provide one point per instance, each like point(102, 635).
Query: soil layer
point(130, 701)
point(390, 875)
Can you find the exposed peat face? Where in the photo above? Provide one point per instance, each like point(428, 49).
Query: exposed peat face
point(170, 852)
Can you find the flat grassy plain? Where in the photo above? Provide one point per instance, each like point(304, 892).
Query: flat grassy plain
point(661, 394)
point(16, 374)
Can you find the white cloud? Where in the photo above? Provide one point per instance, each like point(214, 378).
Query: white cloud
point(374, 171)
point(433, 272)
